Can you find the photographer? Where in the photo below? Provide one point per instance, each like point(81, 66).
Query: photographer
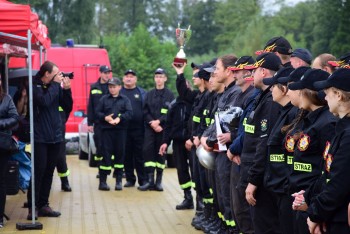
point(48, 134)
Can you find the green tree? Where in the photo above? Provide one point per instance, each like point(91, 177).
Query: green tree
point(200, 15)
point(66, 18)
point(141, 52)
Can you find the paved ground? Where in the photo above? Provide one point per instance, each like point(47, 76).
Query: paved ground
point(87, 210)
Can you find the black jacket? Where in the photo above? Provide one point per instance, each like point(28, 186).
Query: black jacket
point(227, 99)
point(332, 203)
point(47, 120)
point(97, 90)
point(157, 104)
point(277, 170)
point(176, 121)
point(184, 92)
point(8, 114)
point(119, 106)
point(318, 129)
point(257, 130)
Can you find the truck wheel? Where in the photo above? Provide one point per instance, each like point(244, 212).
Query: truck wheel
point(92, 161)
point(82, 155)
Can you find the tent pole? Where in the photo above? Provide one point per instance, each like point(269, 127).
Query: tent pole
point(34, 225)
point(41, 55)
point(6, 81)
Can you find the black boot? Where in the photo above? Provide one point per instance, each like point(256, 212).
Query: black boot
point(65, 184)
point(188, 202)
point(159, 186)
point(103, 184)
point(118, 185)
point(149, 185)
point(199, 203)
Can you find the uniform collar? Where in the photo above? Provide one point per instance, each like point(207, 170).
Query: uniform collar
point(342, 124)
point(313, 115)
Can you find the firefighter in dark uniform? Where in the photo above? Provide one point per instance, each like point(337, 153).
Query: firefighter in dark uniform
point(155, 109)
point(239, 204)
point(276, 169)
point(211, 221)
point(254, 153)
point(193, 97)
point(316, 133)
point(329, 207)
point(176, 131)
point(97, 90)
point(134, 159)
point(62, 169)
point(114, 112)
point(48, 135)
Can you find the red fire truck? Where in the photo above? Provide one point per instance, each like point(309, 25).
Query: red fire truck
point(84, 61)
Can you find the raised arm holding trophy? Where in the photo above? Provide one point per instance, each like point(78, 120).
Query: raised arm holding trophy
point(182, 37)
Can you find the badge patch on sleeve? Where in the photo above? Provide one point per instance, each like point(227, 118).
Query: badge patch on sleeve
point(290, 143)
point(326, 149)
point(263, 125)
point(304, 142)
point(329, 161)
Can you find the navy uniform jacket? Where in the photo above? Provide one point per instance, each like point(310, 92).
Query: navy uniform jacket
point(318, 129)
point(119, 106)
point(277, 171)
point(157, 104)
point(257, 130)
point(331, 204)
point(97, 90)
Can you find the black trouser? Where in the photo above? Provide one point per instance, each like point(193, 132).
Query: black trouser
point(4, 158)
point(285, 212)
point(222, 171)
point(62, 168)
point(184, 164)
point(134, 157)
point(113, 151)
point(300, 222)
point(265, 212)
point(45, 161)
point(337, 228)
point(199, 177)
point(98, 139)
point(239, 204)
point(153, 160)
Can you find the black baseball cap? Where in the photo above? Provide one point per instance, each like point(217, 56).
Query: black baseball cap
point(130, 71)
point(159, 71)
point(342, 62)
point(195, 65)
point(303, 54)
point(294, 76)
point(266, 60)
point(114, 81)
point(277, 44)
point(242, 62)
point(340, 79)
point(283, 72)
point(203, 72)
point(308, 79)
point(105, 68)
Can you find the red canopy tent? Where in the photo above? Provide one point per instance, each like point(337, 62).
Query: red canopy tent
point(17, 19)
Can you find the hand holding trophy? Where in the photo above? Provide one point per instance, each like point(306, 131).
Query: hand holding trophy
point(182, 37)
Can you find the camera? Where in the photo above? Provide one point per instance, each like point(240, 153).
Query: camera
point(68, 74)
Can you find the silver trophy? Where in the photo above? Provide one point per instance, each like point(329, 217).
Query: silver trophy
point(182, 37)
